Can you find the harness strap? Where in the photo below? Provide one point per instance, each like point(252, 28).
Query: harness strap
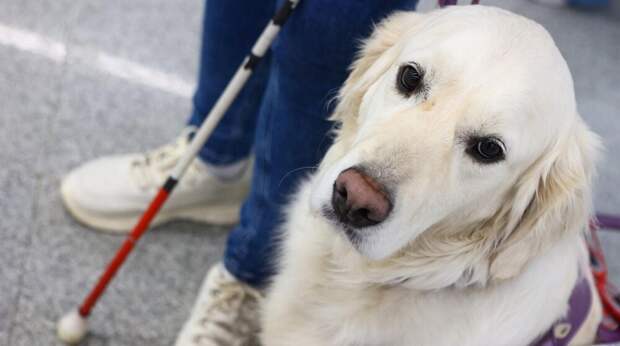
point(608, 332)
point(563, 330)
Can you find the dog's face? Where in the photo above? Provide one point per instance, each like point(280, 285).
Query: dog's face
point(443, 117)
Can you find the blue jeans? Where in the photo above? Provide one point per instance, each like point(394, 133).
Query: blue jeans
point(281, 114)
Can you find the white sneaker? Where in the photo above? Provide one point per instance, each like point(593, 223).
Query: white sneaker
point(112, 192)
point(226, 313)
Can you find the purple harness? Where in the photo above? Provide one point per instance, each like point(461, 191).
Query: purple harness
point(563, 331)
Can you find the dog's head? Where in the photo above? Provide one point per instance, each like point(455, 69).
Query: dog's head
point(458, 138)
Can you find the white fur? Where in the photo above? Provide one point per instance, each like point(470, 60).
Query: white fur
point(471, 254)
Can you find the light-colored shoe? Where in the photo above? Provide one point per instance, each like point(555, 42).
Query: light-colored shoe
point(226, 313)
point(110, 193)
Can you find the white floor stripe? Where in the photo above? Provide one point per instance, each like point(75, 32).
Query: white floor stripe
point(135, 72)
point(32, 43)
point(58, 52)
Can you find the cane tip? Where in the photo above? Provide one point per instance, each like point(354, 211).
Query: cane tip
point(72, 327)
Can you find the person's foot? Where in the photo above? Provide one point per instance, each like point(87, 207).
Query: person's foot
point(226, 313)
point(112, 192)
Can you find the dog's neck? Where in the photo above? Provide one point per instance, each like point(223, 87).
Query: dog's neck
point(435, 284)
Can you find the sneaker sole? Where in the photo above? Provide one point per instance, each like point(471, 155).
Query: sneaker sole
point(219, 215)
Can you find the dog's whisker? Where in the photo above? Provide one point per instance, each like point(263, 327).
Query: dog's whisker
point(293, 171)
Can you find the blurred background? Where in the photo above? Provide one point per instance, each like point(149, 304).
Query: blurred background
point(79, 79)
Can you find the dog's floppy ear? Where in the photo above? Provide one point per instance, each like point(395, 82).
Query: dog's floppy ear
point(552, 198)
point(372, 60)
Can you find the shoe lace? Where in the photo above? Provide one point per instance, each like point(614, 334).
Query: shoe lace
point(150, 169)
point(231, 315)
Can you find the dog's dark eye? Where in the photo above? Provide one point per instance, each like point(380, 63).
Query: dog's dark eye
point(409, 79)
point(486, 149)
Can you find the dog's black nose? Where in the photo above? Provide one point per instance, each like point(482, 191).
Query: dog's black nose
point(359, 200)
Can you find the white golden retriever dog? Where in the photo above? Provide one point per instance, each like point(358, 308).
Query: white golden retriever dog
point(451, 207)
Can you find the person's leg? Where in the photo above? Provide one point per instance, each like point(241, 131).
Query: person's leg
point(309, 63)
point(230, 29)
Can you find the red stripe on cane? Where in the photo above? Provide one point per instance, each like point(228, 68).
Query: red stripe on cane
point(122, 252)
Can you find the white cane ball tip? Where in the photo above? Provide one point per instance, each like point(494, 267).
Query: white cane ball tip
point(72, 328)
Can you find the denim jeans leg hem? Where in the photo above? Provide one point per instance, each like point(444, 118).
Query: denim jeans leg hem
point(233, 267)
point(219, 159)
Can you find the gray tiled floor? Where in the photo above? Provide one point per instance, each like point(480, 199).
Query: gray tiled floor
point(54, 116)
